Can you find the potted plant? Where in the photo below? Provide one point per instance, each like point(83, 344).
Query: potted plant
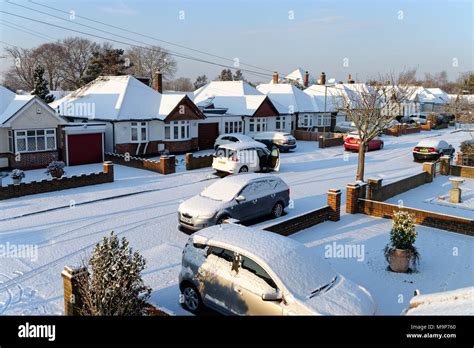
point(56, 169)
point(401, 251)
point(17, 175)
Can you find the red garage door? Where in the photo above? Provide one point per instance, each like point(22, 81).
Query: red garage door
point(207, 135)
point(84, 148)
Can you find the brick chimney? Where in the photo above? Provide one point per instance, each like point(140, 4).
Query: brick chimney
point(275, 77)
point(306, 79)
point(349, 79)
point(159, 81)
point(322, 79)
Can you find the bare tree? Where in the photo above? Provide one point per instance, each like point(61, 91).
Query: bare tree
point(182, 84)
point(51, 57)
point(22, 72)
point(146, 61)
point(462, 110)
point(77, 55)
point(366, 106)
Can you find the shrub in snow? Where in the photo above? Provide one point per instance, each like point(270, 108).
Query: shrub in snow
point(56, 169)
point(17, 174)
point(113, 284)
point(402, 237)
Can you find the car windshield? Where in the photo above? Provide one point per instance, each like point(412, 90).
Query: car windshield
point(221, 190)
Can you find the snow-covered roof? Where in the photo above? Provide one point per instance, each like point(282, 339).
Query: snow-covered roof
point(297, 267)
point(454, 302)
point(288, 95)
point(11, 103)
point(329, 95)
point(422, 95)
point(439, 93)
point(238, 97)
point(119, 98)
point(298, 76)
point(469, 98)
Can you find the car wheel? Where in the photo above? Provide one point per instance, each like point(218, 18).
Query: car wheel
point(277, 210)
point(243, 169)
point(191, 298)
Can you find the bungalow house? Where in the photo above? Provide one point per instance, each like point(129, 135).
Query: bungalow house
point(328, 101)
point(235, 107)
point(301, 110)
point(30, 135)
point(139, 120)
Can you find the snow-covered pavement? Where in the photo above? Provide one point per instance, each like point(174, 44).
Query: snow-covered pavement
point(142, 206)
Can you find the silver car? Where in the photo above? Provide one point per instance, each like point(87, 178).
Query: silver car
point(242, 197)
point(244, 271)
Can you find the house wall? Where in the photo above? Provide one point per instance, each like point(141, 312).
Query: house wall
point(29, 119)
point(3, 140)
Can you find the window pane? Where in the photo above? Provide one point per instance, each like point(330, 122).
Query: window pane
point(134, 124)
point(226, 127)
point(21, 144)
point(50, 131)
point(20, 133)
point(40, 143)
point(50, 143)
point(31, 133)
point(187, 132)
point(183, 132)
point(176, 132)
point(40, 132)
point(134, 134)
point(167, 132)
point(144, 134)
point(31, 143)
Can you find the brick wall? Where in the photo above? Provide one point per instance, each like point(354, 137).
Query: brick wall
point(34, 160)
point(66, 182)
point(314, 136)
point(166, 164)
point(377, 192)
point(446, 168)
point(330, 212)
point(422, 217)
point(401, 129)
point(329, 142)
point(426, 127)
point(198, 161)
point(152, 148)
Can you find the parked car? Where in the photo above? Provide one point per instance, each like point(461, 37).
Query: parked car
point(231, 138)
point(284, 141)
point(239, 270)
point(421, 119)
point(245, 157)
point(352, 142)
point(344, 127)
point(431, 149)
point(242, 197)
point(391, 124)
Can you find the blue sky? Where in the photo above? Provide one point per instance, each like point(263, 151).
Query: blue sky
point(374, 36)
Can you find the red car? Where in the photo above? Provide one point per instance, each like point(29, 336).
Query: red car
point(352, 143)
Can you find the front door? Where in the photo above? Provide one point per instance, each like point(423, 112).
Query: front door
point(250, 283)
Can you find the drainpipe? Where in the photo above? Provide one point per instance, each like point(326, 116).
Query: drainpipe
point(243, 121)
point(113, 137)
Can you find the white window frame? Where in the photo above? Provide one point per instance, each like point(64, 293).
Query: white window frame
point(233, 127)
point(259, 124)
point(179, 127)
point(11, 144)
point(139, 127)
point(47, 133)
point(280, 123)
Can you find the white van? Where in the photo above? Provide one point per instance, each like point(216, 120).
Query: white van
point(245, 157)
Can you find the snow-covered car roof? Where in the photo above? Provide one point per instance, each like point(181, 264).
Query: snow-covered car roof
point(431, 143)
point(237, 135)
point(242, 145)
point(296, 266)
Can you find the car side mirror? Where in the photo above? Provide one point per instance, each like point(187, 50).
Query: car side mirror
point(272, 296)
point(240, 198)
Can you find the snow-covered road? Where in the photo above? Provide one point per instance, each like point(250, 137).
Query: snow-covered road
point(142, 206)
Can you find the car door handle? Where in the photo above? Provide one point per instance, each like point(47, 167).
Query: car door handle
point(255, 201)
point(238, 290)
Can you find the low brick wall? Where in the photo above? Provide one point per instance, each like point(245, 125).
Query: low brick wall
point(166, 164)
point(330, 142)
point(422, 217)
point(313, 136)
point(66, 182)
point(198, 161)
point(330, 212)
point(426, 127)
point(451, 169)
point(401, 129)
point(377, 192)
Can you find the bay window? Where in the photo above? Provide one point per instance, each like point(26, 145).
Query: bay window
point(280, 123)
point(177, 130)
point(139, 132)
point(35, 140)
